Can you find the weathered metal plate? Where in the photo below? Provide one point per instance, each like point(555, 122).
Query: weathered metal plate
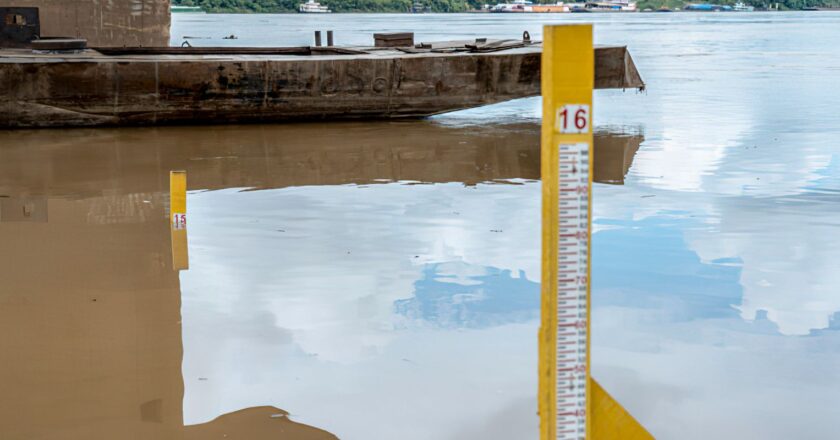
point(396, 39)
point(298, 50)
point(59, 44)
point(18, 26)
point(615, 69)
point(114, 23)
point(188, 87)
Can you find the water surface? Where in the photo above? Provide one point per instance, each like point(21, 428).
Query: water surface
point(380, 280)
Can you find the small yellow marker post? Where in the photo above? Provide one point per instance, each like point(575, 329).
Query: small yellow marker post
point(571, 404)
point(178, 219)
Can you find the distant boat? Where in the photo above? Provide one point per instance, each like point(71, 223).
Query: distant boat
point(313, 7)
point(604, 6)
point(664, 9)
point(420, 8)
point(741, 7)
point(175, 9)
point(589, 6)
point(517, 6)
point(707, 7)
point(557, 7)
point(611, 6)
point(527, 6)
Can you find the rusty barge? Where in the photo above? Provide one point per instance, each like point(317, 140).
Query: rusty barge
point(52, 83)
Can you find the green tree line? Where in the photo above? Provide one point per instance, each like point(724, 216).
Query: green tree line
point(334, 5)
point(452, 5)
point(758, 4)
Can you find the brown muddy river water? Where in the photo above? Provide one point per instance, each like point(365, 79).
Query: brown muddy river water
point(381, 280)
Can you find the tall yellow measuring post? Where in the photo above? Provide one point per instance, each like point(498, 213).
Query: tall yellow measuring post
point(571, 404)
point(568, 76)
point(178, 219)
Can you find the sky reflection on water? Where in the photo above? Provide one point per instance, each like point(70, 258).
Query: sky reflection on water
point(716, 293)
point(389, 290)
point(380, 280)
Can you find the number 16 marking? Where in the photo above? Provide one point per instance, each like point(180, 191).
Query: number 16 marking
point(572, 118)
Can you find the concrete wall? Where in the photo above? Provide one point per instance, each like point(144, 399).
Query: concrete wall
point(105, 22)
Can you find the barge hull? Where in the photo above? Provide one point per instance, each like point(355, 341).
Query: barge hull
point(91, 89)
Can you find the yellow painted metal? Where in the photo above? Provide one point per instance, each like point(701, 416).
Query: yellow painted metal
point(180, 253)
point(177, 219)
point(610, 421)
point(177, 194)
point(568, 61)
point(567, 79)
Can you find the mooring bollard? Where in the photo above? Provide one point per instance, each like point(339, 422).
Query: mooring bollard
point(572, 405)
point(329, 38)
point(317, 38)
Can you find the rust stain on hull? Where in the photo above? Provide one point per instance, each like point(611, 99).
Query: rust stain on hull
point(91, 89)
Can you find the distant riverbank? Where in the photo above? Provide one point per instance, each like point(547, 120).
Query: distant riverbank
point(404, 6)
point(281, 6)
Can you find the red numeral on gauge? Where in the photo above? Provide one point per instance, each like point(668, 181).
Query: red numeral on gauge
point(572, 118)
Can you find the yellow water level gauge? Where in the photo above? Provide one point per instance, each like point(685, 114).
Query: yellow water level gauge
point(571, 404)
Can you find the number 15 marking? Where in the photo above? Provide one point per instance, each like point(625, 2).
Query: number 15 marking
point(572, 118)
point(179, 221)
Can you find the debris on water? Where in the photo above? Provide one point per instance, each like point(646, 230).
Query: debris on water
point(648, 195)
point(202, 378)
point(495, 230)
point(281, 230)
point(230, 37)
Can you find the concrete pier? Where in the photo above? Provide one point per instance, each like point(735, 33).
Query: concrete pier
point(105, 22)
